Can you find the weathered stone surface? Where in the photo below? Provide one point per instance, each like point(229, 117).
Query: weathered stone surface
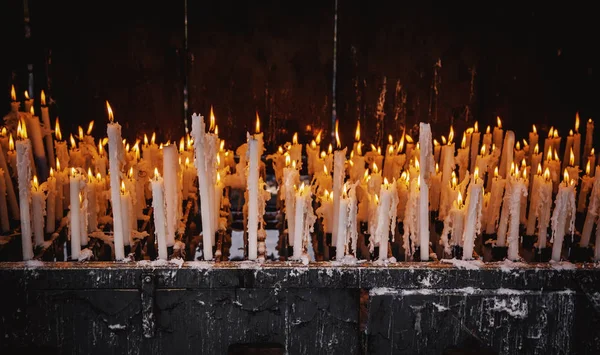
point(288, 308)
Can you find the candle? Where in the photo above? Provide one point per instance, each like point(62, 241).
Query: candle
point(28, 103)
point(454, 224)
point(487, 137)
point(38, 199)
point(411, 218)
point(24, 177)
point(410, 146)
point(507, 154)
point(172, 201)
point(518, 188)
point(556, 140)
point(589, 138)
point(374, 156)
point(533, 216)
point(62, 152)
point(254, 152)
point(92, 201)
point(437, 149)
point(473, 219)
point(338, 181)
point(569, 152)
point(47, 130)
point(4, 221)
point(402, 187)
point(572, 168)
point(51, 202)
point(386, 221)
point(75, 214)
point(325, 210)
point(10, 190)
point(548, 141)
point(34, 128)
point(482, 160)
point(202, 149)
point(357, 166)
point(591, 158)
point(533, 142)
point(553, 164)
point(563, 216)
point(312, 155)
point(462, 157)
point(426, 169)
point(217, 201)
point(448, 165)
point(303, 202)
point(544, 204)
point(115, 146)
point(296, 149)
point(498, 135)
point(497, 191)
point(577, 141)
point(592, 212)
point(475, 137)
point(126, 209)
point(158, 206)
point(519, 154)
point(291, 178)
point(434, 191)
point(388, 163)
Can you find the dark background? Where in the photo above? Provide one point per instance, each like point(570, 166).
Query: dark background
point(534, 63)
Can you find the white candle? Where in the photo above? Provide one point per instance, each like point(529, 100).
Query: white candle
point(497, 191)
point(563, 217)
point(533, 142)
point(497, 136)
point(291, 178)
point(170, 160)
point(47, 131)
point(339, 175)
point(569, 152)
point(296, 149)
point(24, 177)
point(533, 215)
point(589, 138)
point(4, 221)
point(75, 213)
point(92, 202)
point(325, 210)
point(544, 203)
point(591, 159)
point(126, 208)
point(448, 165)
point(312, 154)
point(473, 219)
point(201, 149)
point(115, 146)
point(34, 128)
point(586, 186)
point(386, 221)
point(217, 201)
point(462, 158)
point(302, 197)
point(518, 188)
point(357, 168)
point(592, 212)
point(253, 186)
point(454, 224)
point(10, 190)
point(426, 169)
point(577, 142)
point(475, 138)
point(437, 150)
point(434, 191)
point(158, 205)
point(51, 202)
point(411, 218)
point(507, 154)
point(38, 199)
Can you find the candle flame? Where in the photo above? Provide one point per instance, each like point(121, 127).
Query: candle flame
point(36, 184)
point(222, 145)
point(318, 137)
point(287, 159)
point(326, 194)
point(498, 122)
point(123, 190)
point(294, 164)
point(555, 134)
point(212, 119)
point(90, 127)
point(111, 116)
point(13, 93)
point(565, 176)
point(26, 95)
point(549, 155)
point(73, 172)
point(444, 140)
point(451, 135)
point(437, 168)
point(593, 151)
point(375, 168)
point(357, 133)
point(73, 144)
point(181, 145)
point(51, 172)
point(21, 130)
point(435, 143)
point(187, 160)
point(524, 173)
point(570, 133)
point(482, 151)
point(98, 177)
point(156, 174)
point(337, 135)
point(518, 146)
point(313, 144)
point(512, 168)
point(539, 169)
point(459, 199)
point(587, 168)
point(547, 174)
point(476, 127)
point(577, 122)
point(218, 177)
point(556, 154)
point(301, 189)
point(463, 142)
point(295, 138)
point(257, 127)
point(11, 143)
point(329, 149)
point(127, 147)
point(571, 157)
point(90, 175)
point(31, 110)
point(366, 175)
point(145, 139)
point(385, 182)
point(351, 155)
point(409, 139)
point(390, 150)
point(130, 173)
point(417, 165)
point(516, 172)
point(476, 173)
point(379, 149)
point(57, 164)
point(43, 98)
point(487, 130)
point(496, 172)
point(401, 144)
point(359, 148)
point(57, 131)
point(390, 139)
point(217, 130)
point(551, 132)
point(80, 133)
point(153, 139)
point(327, 172)
point(3, 132)
point(469, 130)
point(536, 149)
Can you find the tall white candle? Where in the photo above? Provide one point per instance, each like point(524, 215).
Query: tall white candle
point(10, 190)
point(497, 192)
point(475, 138)
point(201, 150)
point(544, 205)
point(92, 202)
point(563, 217)
point(339, 174)
point(51, 202)
point(115, 146)
point(518, 188)
point(253, 186)
point(34, 128)
point(47, 131)
point(454, 224)
point(426, 169)
point(473, 219)
point(386, 219)
point(291, 178)
point(507, 154)
point(577, 142)
point(533, 142)
point(325, 210)
point(589, 138)
point(38, 199)
point(296, 149)
point(532, 216)
point(586, 186)
point(462, 157)
point(302, 198)
point(75, 213)
point(126, 208)
point(497, 136)
point(448, 165)
point(569, 157)
point(170, 162)
point(24, 177)
point(158, 205)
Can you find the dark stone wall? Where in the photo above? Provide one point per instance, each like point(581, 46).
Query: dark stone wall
point(534, 64)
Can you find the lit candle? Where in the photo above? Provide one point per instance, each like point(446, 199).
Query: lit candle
point(533, 215)
point(586, 186)
point(475, 137)
point(47, 131)
point(498, 135)
point(454, 224)
point(296, 149)
point(115, 146)
point(544, 204)
point(92, 202)
point(28, 103)
point(38, 199)
point(548, 141)
point(536, 159)
point(426, 170)
point(24, 177)
point(572, 168)
point(100, 160)
point(533, 142)
point(592, 212)
point(312, 155)
point(62, 152)
point(388, 163)
point(411, 218)
point(563, 216)
point(410, 146)
point(556, 140)
point(75, 214)
point(507, 154)
point(568, 152)
point(589, 138)
point(437, 149)
point(14, 104)
point(577, 141)
point(462, 157)
point(325, 210)
point(291, 178)
point(172, 201)
point(591, 158)
point(338, 182)
point(10, 190)
point(51, 202)
point(217, 201)
point(4, 221)
point(35, 129)
point(473, 219)
point(303, 214)
point(158, 206)
point(60, 182)
point(126, 209)
point(553, 164)
point(518, 188)
point(386, 220)
point(448, 165)
point(402, 186)
point(255, 148)
point(434, 191)
point(497, 191)
point(519, 154)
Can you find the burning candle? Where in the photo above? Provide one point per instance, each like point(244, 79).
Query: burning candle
point(577, 141)
point(473, 219)
point(62, 152)
point(158, 206)
point(507, 154)
point(10, 190)
point(126, 208)
point(357, 168)
point(448, 165)
point(254, 153)
point(115, 146)
point(47, 131)
point(591, 158)
point(454, 224)
point(338, 182)
point(170, 160)
point(589, 138)
point(498, 135)
point(296, 149)
point(462, 157)
point(553, 164)
point(497, 191)
point(386, 211)
point(475, 137)
point(586, 186)
point(563, 217)
point(556, 139)
point(92, 205)
point(544, 204)
point(51, 202)
point(518, 188)
point(568, 152)
point(34, 128)
point(434, 191)
point(312, 155)
point(38, 199)
point(28, 103)
point(426, 169)
point(75, 214)
point(533, 215)
point(291, 178)
point(572, 169)
point(325, 210)
point(437, 150)
point(519, 154)
point(24, 177)
point(548, 141)
point(303, 204)
point(533, 142)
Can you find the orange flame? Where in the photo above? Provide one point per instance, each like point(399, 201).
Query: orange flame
point(111, 116)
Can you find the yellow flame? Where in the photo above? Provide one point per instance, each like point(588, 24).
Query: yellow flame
point(222, 145)
point(547, 174)
point(570, 133)
point(463, 142)
point(409, 139)
point(337, 135)
point(187, 160)
point(390, 139)
point(385, 182)
point(130, 172)
point(556, 154)
point(482, 151)
point(534, 129)
point(587, 168)
point(295, 138)
point(13, 93)
point(555, 134)
point(549, 155)
point(359, 148)
point(518, 146)
point(551, 132)
point(437, 168)
point(31, 110)
point(390, 150)
point(565, 175)
point(593, 151)
point(476, 127)
point(357, 133)
point(329, 149)
point(417, 165)
point(401, 144)
point(469, 130)
point(89, 172)
point(123, 190)
point(111, 116)
point(536, 149)
point(51, 172)
point(26, 95)
point(571, 157)
point(496, 172)
point(98, 177)
point(577, 122)
point(21, 130)
point(326, 194)
point(153, 139)
point(294, 164)
point(80, 133)
point(73, 172)
point(327, 172)
point(287, 159)
point(181, 145)
point(318, 138)
point(366, 175)
point(127, 147)
point(435, 143)
point(3, 132)
point(145, 139)
point(313, 144)
point(217, 130)
point(57, 164)
point(444, 140)
point(459, 199)
point(487, 130)
point(376, 199)
point(498, 122)
point(379, 149)
point(90, 127)
point(476, 173)
point(451, 135)
point(218, 177)
point(190, 142)
point(36, 184)
point(156, 174)
point(375, 168)
point(43, 98)
point(539, 169)
point(512, 167)
point(257, 126)
point(524, 173)
point(212, 119)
